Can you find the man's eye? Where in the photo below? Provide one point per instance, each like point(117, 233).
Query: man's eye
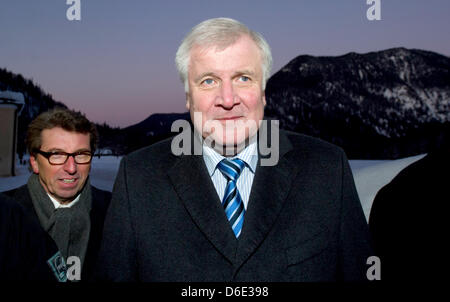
point(208, 81)
point(244, 79)
point(57, 155)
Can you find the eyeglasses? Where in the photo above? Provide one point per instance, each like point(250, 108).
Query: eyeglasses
point(60, 158)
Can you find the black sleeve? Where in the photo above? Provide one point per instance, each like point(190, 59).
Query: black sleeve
point(117, 257)
point(25, 248)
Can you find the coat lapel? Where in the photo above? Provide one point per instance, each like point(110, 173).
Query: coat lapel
point(270, 188)
point(194, 187)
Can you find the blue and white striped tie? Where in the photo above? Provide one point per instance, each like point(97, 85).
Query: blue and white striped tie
point(232, 201)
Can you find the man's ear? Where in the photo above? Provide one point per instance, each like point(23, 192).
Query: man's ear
point(264, 98)
point(188, 104)
point(34, 164)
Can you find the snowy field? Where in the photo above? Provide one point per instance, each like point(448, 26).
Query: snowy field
point(369, 175)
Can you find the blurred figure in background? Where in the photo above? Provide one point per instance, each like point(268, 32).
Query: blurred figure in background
point(409, 219)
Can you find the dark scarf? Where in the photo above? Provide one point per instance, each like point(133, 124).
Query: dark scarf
point(69, 227)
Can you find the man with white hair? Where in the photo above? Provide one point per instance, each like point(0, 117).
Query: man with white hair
point(224, 215)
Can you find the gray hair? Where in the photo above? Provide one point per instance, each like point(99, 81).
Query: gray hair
point(220, 32)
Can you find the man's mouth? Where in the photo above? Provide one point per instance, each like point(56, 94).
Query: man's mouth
point(68, 180)
point(229, 118)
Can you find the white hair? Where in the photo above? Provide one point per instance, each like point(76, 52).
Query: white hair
point(220, 32)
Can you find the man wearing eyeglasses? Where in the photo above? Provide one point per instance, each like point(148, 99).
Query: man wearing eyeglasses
point(61, 144)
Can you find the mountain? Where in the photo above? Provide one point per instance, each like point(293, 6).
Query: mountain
point(38, 101)
point(154, 128)
point(386, 104)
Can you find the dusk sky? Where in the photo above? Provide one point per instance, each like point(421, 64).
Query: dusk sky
point(117, 63)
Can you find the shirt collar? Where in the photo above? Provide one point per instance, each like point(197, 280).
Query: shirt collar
point(59, 205)
point(249, 155)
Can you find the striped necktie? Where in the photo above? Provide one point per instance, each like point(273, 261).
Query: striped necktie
point(232, 201)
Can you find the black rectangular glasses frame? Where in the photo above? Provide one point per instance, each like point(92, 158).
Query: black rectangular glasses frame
point(47, 155)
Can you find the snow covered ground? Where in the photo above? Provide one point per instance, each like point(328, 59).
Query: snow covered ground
point(370, 175)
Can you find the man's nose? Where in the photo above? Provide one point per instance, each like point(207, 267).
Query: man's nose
point(70, 166)
point(228, 97)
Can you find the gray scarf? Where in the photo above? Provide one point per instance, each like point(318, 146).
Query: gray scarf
point(69, 227)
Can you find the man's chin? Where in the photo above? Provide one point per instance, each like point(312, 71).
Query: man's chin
point(227, 147)
point(65, 197)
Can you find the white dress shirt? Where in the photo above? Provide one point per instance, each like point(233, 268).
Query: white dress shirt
point(59, 205)
point(244, 183)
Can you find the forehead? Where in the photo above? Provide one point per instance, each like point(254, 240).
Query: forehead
point(58, 138)
point(242, 54)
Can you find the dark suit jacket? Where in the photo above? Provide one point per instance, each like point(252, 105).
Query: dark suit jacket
point(100, 203)
point(304, 221)
point(409, 221)
point(25, 247)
